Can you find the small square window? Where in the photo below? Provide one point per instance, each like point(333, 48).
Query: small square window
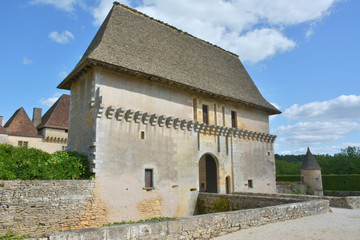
point(142, 135)
point(149, 180)
point(25, 144)
point(250, 183)
point(20, 143)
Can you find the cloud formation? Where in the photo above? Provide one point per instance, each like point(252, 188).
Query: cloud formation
point(252, 29)
point(318, 123)
point(342, 108)
point(255, 30)
point(62, 38)
point(51, 100)
point(27, 61)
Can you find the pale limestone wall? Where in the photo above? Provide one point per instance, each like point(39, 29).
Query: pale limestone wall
point(312, 178)
point(120, 156)
point(37, 142)
point(36, 207)
point(3, 138)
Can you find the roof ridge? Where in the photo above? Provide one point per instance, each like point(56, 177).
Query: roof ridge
point(172, 27)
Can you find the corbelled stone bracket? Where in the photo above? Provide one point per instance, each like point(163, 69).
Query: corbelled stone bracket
point(110, 112)
point(120, 114)
point(129, 115)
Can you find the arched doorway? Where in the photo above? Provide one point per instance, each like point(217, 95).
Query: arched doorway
point(208, 179)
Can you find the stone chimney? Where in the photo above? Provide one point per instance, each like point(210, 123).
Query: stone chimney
point(36, 116)
point(1, 118)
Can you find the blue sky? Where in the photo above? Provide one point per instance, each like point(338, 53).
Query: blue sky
point(302, 55)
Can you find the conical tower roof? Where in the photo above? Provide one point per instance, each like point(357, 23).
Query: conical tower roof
point(310, 162)
point(132, 42)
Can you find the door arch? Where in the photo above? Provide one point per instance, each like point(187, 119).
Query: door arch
point(208, 174)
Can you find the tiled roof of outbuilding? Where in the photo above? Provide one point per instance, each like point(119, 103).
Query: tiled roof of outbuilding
point(2, 130)
point(58, 115)
point(132, 41)
point(20, 125)
point(310, 162)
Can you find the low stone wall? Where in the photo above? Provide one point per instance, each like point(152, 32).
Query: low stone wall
point(201, 226)
point(339, 202)
point(211, 202)
point(38, 207)
point(293, 188)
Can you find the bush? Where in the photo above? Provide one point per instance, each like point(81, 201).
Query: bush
point(30, 163)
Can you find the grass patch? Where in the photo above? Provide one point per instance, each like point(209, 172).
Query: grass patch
point(157, 219)
point(10, 235)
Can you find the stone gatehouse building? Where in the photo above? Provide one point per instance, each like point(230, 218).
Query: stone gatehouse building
point(163, 115)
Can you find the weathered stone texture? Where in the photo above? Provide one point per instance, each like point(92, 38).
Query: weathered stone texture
point(38, 207)
point(291, 188)
point(200, 227)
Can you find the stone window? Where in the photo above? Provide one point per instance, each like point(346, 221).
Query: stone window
point(142, 135)
point(23, 143)
point(149, 183)
point(205, 114)
point(233, 119)
point(250, 183)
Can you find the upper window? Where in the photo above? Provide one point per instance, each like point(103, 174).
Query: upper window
point(205, 114)
point(233, 119)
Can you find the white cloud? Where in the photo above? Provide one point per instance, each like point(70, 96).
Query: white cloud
point(66, 5)
point(274, 116)
point(27, 61)
point(343, 108)
point(62, 38)
point(51, 100)
point(62, 74)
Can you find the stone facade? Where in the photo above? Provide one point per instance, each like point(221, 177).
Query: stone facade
point(38, 207)
point(128, 124)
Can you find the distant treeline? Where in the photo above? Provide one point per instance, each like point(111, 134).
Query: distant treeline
point(345, 162)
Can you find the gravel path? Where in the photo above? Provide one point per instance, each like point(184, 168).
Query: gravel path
point(338, 224)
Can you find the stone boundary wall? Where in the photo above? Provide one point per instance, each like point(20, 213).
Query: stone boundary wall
point(295, 188)
point(198, 227)
point(339, 202)
point(36, 207)
point(212, 202)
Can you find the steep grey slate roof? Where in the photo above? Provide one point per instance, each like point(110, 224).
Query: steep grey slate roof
point(310, 162)
point(133, 41)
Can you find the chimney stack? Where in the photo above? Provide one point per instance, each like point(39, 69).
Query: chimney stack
point(37, 116)
point(1, 118)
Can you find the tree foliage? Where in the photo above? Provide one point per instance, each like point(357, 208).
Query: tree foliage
point(345, 162)
point(30, 163)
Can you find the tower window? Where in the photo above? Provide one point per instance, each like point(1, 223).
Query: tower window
point(205, 114)
point(233, 119)
point(149, 178)
point(250, 183)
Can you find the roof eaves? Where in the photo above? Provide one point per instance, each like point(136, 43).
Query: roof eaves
point(94, 62)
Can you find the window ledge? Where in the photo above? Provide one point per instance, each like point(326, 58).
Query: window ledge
point(148, 188)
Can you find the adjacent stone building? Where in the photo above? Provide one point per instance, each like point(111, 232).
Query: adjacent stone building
point(311, 175)
point(163, 115)
point(48, 133)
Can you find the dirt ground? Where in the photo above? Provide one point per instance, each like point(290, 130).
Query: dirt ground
point(338, 224)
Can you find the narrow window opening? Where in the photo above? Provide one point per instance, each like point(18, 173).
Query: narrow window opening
point(223, 113)
point(149, 178)
point(215, 115)
point(233, 119)
point(302, 179)
point(250, 183)
point(142, 135)
point(195, 109)
point(205, 114)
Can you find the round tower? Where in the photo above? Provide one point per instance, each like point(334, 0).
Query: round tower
point(311, 175)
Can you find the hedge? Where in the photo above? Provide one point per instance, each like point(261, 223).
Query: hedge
point(346, 182)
